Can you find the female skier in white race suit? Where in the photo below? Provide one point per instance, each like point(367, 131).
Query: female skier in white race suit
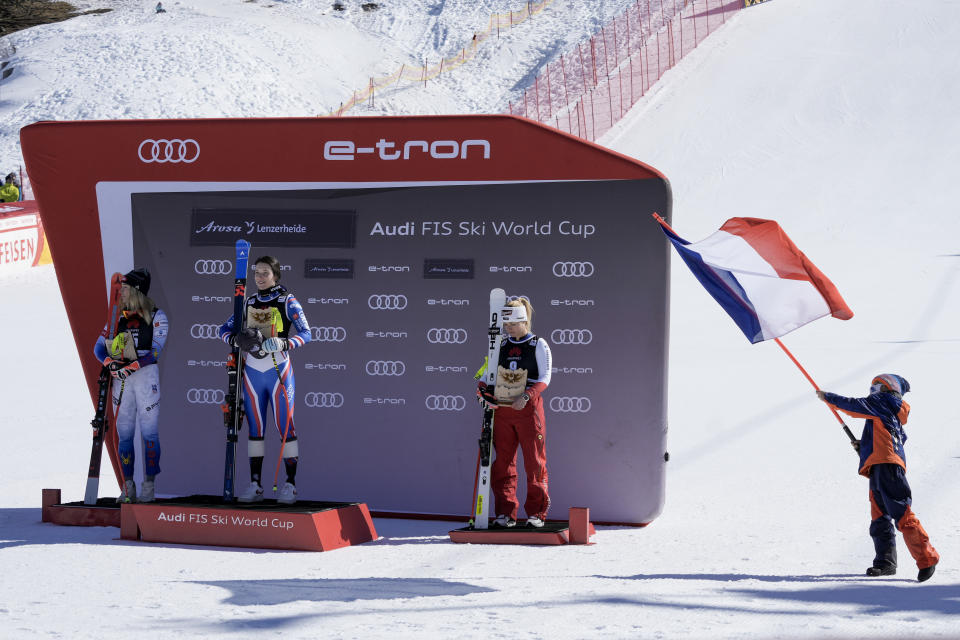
point(132, 359)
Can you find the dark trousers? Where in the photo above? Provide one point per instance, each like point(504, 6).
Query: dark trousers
point(890, 501)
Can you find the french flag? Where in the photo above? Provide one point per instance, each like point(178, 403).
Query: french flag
point(760, 278)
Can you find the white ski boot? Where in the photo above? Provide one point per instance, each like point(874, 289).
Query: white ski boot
point(504, 521)
point(146, 491)
point(253, 493)
point(129, 492)
point(288, 494)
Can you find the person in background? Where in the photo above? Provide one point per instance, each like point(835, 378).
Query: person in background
point(132, 359)
point(525, 360)
point(10, 191)
point(160, 8)
point(883, 461)
point(267, 373)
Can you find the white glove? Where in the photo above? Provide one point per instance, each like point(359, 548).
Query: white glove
point(271, 345)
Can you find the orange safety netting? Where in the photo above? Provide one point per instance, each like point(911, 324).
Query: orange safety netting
point(593, 85)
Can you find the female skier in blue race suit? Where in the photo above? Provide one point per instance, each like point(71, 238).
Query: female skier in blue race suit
point(132, 359)
point(272, 311)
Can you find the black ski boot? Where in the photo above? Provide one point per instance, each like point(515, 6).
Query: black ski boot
point(873, 572)
point(925, 574)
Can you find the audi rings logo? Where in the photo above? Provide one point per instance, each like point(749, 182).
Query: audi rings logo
point(320, 400)
point(206, 396)
point(212, 267)
point(573, 269)
point(205, 331)
point(571, 336)
point(389, 302)
point(447, 336)
point(175, 150)
point(385, 368)
point(328, 334)
point(567, 404)
point(445, 403)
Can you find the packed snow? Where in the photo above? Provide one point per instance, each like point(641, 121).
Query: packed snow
point(834, 118)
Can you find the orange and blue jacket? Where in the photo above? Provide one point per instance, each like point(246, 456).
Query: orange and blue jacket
point(883, 436)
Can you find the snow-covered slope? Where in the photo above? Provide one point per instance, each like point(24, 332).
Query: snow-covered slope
point(229, 58)
point(834, 119)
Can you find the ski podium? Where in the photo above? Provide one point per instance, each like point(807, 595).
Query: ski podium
point(203, 519)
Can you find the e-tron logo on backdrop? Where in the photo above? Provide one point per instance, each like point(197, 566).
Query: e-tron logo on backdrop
point(212, 267)
point(571, 336)
point(318, 400)
point(175, 150)
point(513, 268)
point(385, 368)
point(328, 334)
point(573, 269)
point(567, 404)
point(387, 302)
point(448, 302)
point(445, 403)
point(390, 150)
point(205, 331)
point(446, 336)
point(205, 396)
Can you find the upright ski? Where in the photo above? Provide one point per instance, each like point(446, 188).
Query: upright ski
point(481, 510)
point(233, 404)
point(100, 422)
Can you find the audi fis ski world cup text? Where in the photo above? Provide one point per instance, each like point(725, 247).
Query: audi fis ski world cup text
point(444, 228)
point(217, 520)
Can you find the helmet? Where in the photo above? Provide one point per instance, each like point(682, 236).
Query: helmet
point(889, 382)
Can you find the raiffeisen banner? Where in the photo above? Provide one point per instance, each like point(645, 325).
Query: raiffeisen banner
point(22, 241)
point(390, 232)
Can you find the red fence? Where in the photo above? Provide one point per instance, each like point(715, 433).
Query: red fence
point(591, 87)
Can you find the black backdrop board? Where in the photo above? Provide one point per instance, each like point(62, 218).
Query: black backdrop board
point(394, 283)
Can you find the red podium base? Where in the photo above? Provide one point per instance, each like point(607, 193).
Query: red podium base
point(206, 520)
point(106, 513)
point(549, 533)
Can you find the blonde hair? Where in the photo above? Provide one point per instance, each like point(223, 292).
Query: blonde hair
point(523, 302)
point(141, 304)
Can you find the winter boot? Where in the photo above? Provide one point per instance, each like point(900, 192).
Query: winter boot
point(504, 521)
point(288, 494)
point(146, 491)
point(873, 572)
point(129, 492)
point(535, 522)
point(926, 574)
point(253, 493)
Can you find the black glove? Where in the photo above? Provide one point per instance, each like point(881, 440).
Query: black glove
point(250, 340)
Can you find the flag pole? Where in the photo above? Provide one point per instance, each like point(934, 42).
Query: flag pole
point(846, 429)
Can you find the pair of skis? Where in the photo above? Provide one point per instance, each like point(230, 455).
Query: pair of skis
point(481, 503)
point(101, 419)
point(233, 403)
